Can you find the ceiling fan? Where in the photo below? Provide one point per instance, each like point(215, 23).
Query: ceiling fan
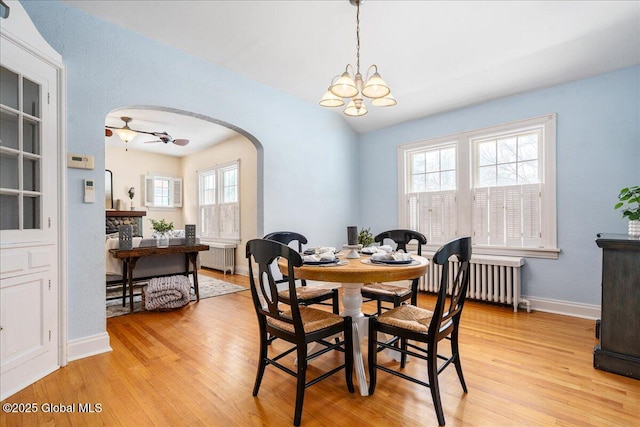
point(127, 134)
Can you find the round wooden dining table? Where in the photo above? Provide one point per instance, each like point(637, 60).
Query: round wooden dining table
point(352, 273)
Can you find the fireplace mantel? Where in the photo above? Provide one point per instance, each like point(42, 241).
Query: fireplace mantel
point(111, 213)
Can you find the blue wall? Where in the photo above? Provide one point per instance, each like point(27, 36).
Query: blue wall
point(309, 153)
point(598, 153)
point(319, 176)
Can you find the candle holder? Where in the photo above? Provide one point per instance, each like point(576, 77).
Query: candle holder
point(353, 251)
point(125, 237)
point(352, 235)
point(190, 234)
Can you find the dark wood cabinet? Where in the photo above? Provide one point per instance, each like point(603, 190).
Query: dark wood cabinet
point(619, 348)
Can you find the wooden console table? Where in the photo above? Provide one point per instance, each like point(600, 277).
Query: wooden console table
point(619, 348)
point(130, 258)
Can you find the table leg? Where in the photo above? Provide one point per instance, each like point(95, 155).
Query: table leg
point(125, 281)
point(131, 264)
point(352, 301)
point(193, 257)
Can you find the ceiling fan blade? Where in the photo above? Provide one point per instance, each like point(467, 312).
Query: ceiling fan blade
point(152, 142)
point(108, 132)
point(181, 142)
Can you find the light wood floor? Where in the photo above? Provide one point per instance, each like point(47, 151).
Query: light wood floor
point(196, 367)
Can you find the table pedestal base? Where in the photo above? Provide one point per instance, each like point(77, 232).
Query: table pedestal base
point(352, 301)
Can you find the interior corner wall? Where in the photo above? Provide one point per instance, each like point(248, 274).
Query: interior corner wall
point(598, 147)
point(109, 67)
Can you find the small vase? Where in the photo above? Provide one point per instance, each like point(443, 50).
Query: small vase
point(634, 228)
point(162, 240)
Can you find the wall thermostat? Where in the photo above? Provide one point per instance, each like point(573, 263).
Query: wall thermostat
point(80, 161)
point(89, 191)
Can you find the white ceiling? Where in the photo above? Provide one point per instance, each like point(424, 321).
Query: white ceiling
point(200, 133)
point(435, 55)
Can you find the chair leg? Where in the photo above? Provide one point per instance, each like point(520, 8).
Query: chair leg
point(373, 355)
point(379, 304)
point(403, 354)
point(348, 353)
point(456, 353)
point(414, 293)
point(433, 384)
point(300, 386)
point(262, 364)
point(336, 302)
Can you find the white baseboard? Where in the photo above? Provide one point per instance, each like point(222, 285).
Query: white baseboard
point(88, 346)
point(574, 309)
point(243, 271)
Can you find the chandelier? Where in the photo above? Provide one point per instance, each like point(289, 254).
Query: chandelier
point(351, 85)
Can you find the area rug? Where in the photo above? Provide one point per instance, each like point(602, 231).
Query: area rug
point(209, 287)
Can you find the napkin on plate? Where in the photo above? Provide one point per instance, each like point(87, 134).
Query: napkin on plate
point(320, 250)
point(393, 256)
point(325, 256)
point(401, 256)
point(384, 249)
point(326, 249)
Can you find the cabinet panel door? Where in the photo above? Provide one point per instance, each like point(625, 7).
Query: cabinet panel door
point(25, 319)
point(29, 244)
point(28, 147)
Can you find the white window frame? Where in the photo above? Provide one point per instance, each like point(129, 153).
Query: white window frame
point(174, 186)
point(226, 215)
point(440, 223)
point(465, 177)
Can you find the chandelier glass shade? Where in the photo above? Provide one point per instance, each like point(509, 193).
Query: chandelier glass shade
point(125, 133)
point(351, 85)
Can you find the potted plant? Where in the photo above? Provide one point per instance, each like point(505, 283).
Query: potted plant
point(365, 238)
point(629, 202)
point(162, 230)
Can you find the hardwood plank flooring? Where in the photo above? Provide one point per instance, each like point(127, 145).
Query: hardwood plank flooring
point(196, 367)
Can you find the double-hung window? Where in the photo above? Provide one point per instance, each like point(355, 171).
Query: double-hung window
point(431, 197)
point(219, 201)
point(495, 184)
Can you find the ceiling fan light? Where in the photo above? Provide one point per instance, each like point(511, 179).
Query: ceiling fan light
point(330, 100)
point(353, 111)
point(375, 87)
point(385, 101)
point(126, 134)
point(345, 87)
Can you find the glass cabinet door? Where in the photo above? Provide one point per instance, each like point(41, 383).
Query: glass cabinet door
point(20, 152)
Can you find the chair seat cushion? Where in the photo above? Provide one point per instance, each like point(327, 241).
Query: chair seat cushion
point(407, 317)
point(312, 320)
point(305, 292)
point(383, 289)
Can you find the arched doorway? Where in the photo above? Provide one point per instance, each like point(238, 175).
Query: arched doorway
point(211, 142)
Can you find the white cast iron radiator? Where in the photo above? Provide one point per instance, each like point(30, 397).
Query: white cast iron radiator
point(492, 278)
point(220, 256)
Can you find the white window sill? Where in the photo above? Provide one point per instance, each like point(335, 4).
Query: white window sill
point(545, 253)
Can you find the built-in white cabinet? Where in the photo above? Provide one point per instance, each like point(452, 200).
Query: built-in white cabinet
point(29, 212)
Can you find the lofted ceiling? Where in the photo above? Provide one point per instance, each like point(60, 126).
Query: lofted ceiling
point(435, 55)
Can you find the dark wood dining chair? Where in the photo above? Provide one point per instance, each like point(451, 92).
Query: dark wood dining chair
point(307, 295)
point(296, 324)
point(382, 292)
point(411, 323)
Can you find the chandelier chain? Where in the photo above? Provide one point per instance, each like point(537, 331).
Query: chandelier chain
point(351, 87)
point(358, 37)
